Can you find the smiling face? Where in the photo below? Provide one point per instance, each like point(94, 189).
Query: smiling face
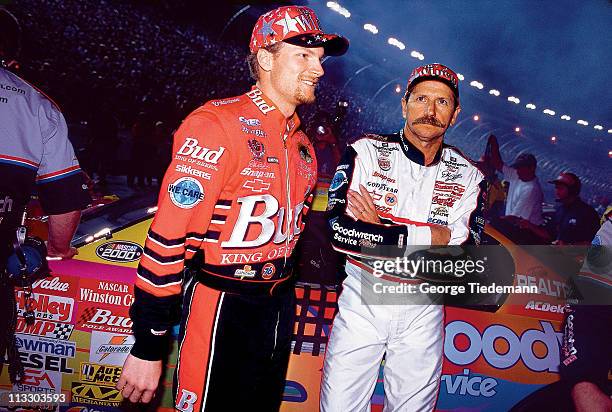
point(291, 74)
point(429, 110)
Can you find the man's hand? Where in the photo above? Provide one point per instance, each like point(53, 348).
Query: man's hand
point(362, 206)
point(139, 379)
point(61, 231)
point(440, 235)
point(492, 153)
point(588, 397)
point(62, 254)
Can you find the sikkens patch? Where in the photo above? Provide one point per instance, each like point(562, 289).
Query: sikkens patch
point(186, 192)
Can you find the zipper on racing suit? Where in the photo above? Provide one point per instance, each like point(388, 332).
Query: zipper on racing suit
point(288, 217)
point(288, 222)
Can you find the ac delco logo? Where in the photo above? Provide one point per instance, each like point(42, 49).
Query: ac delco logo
point(519, 347)
point(119, 251)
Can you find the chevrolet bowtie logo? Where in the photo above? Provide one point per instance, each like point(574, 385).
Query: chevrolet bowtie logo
point(256, 185)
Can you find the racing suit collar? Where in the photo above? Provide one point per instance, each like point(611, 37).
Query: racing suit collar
point(414, 153)
point(264, 104)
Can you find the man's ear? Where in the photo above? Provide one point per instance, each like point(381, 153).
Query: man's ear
point(265, 59)
point(405, 106)
point(457, 110)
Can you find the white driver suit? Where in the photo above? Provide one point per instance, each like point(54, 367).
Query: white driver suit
point(409, 331)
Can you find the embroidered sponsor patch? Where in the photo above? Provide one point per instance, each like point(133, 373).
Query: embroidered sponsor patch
point(304, 153)
point(256, 185)
point(450, 176)
point(186, 192)
point(384, 149)
point(245, 272)
point(249, 122)
point(384, 163)
point(257, 149)
point(218, 103)
point(338, 181)
point(191, 148)
point(268, 271)
point(390, 199)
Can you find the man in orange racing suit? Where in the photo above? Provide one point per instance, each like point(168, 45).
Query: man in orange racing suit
point(231, 205)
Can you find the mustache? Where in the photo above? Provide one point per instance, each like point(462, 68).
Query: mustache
point(428, 120)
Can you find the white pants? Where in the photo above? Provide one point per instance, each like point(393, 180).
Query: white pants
point(412, 338)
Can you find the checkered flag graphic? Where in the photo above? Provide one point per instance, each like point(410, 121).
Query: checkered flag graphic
point(87, 315)
point(316, 307)
point(62, 330)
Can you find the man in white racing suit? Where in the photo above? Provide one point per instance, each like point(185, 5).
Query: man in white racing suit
point(390, 192)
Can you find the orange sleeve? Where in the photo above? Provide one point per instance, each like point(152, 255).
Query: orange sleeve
point(187, 197)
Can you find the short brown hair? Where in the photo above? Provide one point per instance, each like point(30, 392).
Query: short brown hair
point(252, 62)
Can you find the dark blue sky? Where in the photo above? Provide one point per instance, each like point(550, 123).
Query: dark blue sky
point(555, 54)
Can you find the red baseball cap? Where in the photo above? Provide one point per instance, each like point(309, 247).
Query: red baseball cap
point(434, 71)
point(296, 25)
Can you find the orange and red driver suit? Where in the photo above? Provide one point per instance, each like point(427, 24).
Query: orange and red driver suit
point(231, 208)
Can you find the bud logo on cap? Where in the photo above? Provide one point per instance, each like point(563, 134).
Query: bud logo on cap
point(435, 70)
point(298, 23)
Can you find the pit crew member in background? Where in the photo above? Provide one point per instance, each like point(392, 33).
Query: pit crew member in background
point(407, 188)
point(231, 205)
point(586, 354)
point(35, 153)
point(523, 216)
point(574, 222)
point(525, 197)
